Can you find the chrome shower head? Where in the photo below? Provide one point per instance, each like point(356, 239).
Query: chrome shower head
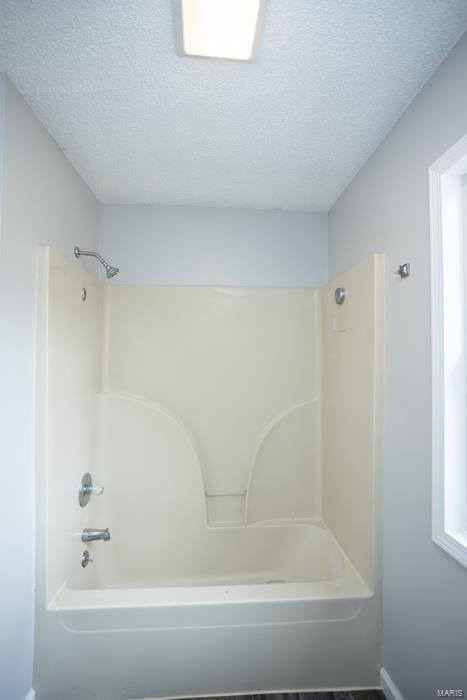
point(110, 271)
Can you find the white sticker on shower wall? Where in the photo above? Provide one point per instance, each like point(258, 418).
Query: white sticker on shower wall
point(238, 370)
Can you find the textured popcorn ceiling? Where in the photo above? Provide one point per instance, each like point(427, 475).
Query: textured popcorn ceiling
point(143, 125)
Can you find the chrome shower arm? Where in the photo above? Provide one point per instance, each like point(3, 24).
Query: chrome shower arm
point(111, 271)
point(78, 252)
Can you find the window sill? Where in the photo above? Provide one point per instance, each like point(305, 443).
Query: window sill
point(454, 543)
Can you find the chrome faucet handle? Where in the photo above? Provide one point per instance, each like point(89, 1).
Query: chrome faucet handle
point(86, 490)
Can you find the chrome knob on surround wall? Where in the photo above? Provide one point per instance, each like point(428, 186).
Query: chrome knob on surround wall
point(340, 295)
point(86, 490)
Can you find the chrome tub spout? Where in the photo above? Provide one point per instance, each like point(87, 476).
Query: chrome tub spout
point(89, 535)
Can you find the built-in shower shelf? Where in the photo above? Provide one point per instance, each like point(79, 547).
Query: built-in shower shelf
point(225, 493)
point(225, 507)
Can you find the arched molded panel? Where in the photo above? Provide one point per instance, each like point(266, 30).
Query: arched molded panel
point(154, 494)
point(285, 475)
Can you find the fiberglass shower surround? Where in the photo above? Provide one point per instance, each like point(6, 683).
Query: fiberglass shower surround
point(238, 521)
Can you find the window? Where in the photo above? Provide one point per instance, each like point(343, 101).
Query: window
point(449, 338)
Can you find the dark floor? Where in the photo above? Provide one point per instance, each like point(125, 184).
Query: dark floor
point(340, 695)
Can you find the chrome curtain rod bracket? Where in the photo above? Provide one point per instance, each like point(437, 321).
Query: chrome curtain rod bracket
point(403, 271)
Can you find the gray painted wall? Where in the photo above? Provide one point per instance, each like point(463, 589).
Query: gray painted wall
point(207, 246)
point(44, 202)
point(386, 209)
point(2, 146)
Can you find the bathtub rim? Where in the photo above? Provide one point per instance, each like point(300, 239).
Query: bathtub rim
point(350, 586)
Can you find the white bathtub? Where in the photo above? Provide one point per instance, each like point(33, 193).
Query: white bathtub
point(217, 565)
point(225, 631)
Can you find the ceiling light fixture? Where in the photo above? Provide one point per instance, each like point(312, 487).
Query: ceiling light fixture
point(220, 28)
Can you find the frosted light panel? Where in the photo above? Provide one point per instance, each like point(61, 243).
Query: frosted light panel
point(220, 28)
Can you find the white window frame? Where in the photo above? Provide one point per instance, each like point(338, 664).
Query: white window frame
point(449, 351)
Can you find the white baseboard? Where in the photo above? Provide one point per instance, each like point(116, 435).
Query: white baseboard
point(31, 695)
point(390, 689)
